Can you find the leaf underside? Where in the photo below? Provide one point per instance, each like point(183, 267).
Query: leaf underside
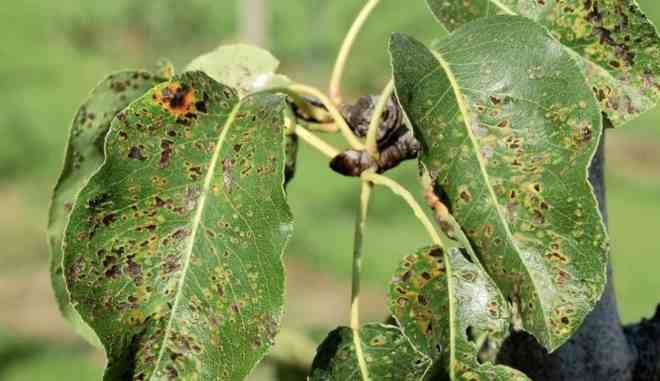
point(450, 308)
point(84, 156)
point(173, 251)
point(246, 68)
point(508, 128)
point(617, 46)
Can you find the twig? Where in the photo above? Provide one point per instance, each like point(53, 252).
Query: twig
point(350, 137)
point(329, 128)
point(316, 142)
point(358, 250)
point(374, 125)
point(399, 190)
point(347, 46)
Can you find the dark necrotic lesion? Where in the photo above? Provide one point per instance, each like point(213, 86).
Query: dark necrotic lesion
point(396, 142)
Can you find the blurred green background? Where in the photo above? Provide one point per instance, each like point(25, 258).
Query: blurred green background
point(54, 52)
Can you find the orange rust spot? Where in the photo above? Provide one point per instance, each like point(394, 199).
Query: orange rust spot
point(177, 99)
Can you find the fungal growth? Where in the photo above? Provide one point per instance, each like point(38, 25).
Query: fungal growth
point(84, 155)
point(508, 152)
point(392, 357)
point(169, 220)
point(615, 43)
point(445, 308)
point(169, 253)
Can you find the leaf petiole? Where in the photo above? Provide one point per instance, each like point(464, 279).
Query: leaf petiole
point(347, 46)
point(372, 133)
point(399, 190)
point(328, 128)
point(316, 142)
point(343, 127)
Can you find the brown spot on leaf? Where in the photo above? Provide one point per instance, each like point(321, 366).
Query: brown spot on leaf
point(539, 218)
point(465, 196)
point(165, 153)
point(112, 272)
point(135, 153)
point(177, 99)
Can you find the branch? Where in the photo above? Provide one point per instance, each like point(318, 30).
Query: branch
point(358, 251)
point(645, 338)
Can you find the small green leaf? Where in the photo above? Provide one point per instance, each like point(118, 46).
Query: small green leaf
point(173, 252)
point(390, 356)
point(84, 155)
point(451, 310)
point(165, 68)
point(615, 43)
point(244, 67)
point(509, 128)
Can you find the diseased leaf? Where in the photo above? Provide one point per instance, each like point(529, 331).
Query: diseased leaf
point(246, 68)
point(617, 46)
point(508, 131)
point(84, 155)
point(389, 356)
point(173, 252)
point(453, 312)
point(450, 318)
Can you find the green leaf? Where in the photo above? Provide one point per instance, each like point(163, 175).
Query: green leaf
point(508, 130)
point(246, 68)
point(450, 308)
point(173, 252)
point(390, 356)
point(84, 155)
point(450, 317)
point(617, 46)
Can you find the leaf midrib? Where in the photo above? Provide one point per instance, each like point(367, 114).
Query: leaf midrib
point(464, 108)
point(197, 219)
point(452, 314)
point(503, 7)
